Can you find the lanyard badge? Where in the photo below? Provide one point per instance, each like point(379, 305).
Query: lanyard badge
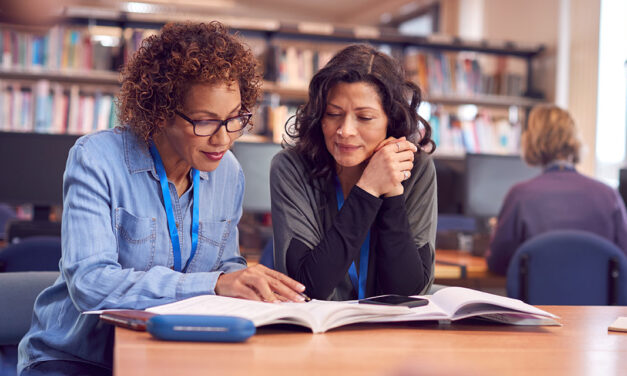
point(167, 202)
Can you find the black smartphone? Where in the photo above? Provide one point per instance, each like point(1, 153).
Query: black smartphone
point(401, 300)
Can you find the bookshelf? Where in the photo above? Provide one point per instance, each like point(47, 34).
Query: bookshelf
point(73, 64)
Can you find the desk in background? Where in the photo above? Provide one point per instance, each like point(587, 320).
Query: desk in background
point(452, 268)
point(582, 346)
point(457, 268)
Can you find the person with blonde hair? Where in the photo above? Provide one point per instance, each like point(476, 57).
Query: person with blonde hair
point(545, 202)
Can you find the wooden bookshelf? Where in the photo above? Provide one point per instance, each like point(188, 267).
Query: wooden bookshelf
point(285, 92)
point(489, 100)
point(91, 77)
point(268, 34)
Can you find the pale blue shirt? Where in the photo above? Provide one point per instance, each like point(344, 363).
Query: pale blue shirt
point(117, 251)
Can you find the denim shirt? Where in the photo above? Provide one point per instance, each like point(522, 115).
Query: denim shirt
point(117, 251)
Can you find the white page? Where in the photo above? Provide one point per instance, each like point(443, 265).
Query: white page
point(460, 302)
point(259, 313)
point(430, 311)
point(316, 314)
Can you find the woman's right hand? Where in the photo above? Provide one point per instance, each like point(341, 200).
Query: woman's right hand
point(390, 164)
point(259, 283)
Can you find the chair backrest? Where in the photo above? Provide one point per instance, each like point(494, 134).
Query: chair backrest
point(18, 230)
point(568, 267)
point(6, 214)
point(38, 253)
point(18, 292)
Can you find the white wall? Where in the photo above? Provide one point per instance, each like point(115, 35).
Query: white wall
point(537, 22)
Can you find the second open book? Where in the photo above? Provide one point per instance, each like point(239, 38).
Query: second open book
point(450, 303)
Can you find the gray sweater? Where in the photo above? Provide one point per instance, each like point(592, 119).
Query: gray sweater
point(315, 243)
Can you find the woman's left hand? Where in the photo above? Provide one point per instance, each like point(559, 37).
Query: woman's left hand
point(390, 164)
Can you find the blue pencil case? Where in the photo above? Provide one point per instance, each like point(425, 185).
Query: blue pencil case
point(200, 328)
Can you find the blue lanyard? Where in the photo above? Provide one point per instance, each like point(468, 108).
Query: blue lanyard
point(167, 202)
point(359, 285)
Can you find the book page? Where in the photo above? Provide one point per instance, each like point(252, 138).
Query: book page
point(259, 313)
point(317, 315)
point(460, 302)
point(620, 325)
point(517, 318)
point(430, 311)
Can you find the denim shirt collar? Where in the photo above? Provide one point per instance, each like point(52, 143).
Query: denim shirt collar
point(138, 158)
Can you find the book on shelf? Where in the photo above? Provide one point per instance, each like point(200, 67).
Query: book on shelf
point(47, 107)
point(276, 117)
point(450, 303)
point(292, 65)
point(489, 131)
point(465, 73)
point(60, 47)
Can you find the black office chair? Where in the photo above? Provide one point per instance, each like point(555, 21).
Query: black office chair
point(18, 230)
point(6, 215)
point(38, 253)
point(568, 267)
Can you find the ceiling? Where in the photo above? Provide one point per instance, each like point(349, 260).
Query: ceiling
point(356, 12)
point(339, 12)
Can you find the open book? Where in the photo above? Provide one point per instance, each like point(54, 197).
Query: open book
point(450, 303)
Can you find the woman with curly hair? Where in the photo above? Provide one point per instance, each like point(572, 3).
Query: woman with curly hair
point(547, 202)
point(151, 208)
point(354, 198)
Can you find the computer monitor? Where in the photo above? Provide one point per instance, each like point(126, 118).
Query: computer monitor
point(622, 184)
point(488, 178)
point(450, 177)
point(31, 169)
point(255, 158)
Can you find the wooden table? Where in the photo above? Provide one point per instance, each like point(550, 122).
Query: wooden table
point(582, 346)
point(457, 268)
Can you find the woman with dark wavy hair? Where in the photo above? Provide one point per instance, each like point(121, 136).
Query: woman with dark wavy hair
point(151, 208)
point(354, 198)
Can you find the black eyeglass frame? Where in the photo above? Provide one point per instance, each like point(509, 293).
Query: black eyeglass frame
point(225, 123)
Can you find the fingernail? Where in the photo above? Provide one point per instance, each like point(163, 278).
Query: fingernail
point(301, 287)
point(299, 298)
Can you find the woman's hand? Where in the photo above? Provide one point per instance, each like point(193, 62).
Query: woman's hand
point(390, 164)
point(259, 283)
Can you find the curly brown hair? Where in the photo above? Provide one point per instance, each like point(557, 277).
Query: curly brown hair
point(155, 79)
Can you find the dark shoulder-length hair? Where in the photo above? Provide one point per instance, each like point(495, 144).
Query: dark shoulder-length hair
point(400, 99)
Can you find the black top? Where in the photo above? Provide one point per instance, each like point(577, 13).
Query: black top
point(394, 270)
point(315, 243)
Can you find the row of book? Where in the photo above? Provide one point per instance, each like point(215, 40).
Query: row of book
point(293, 66)
point(465, 73)
point(289, 64)
point(487, 132)
point(59, 48)
point(269, 121)
point(52, 108)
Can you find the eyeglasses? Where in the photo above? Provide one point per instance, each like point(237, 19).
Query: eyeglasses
point(205, 128)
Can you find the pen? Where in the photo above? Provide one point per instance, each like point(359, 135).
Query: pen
point(307, 299)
